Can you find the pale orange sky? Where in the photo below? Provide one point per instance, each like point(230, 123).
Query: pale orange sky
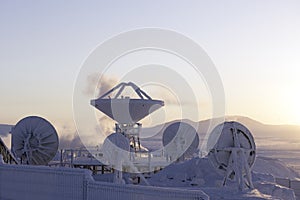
point(254, 45)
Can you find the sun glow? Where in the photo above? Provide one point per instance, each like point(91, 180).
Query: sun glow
point(291, 99)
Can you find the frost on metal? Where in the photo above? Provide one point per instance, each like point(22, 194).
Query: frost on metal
point(34, 141)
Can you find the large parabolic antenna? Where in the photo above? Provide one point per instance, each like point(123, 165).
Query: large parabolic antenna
point(34, 141)
point(233, 154)
point(180, 140)
point(126, 110)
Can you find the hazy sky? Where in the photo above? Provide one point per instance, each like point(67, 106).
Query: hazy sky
point(255, 45)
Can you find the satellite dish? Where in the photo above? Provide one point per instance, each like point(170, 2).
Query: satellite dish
point(126, 110)
point(34, 141)
point(116, 148)
point(180, 141)
point(233, 153)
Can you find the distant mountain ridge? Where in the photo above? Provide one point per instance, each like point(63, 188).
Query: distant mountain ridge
point(5, 129)
point(265, 135)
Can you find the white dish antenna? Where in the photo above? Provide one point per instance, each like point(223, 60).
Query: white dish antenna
point(116, 149)
point(126, 110)
point(180, 141)
point(34, 141)
point(233, 153)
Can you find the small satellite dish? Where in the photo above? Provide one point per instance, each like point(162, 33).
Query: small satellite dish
point(233, 153)
point(34, 141)
point(180, 140)
point(116, 148)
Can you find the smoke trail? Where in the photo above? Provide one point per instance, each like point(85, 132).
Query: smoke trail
point(100, 86)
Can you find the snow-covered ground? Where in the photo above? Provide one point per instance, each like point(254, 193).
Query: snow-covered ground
point(198, 173)
point(290, 157)
point(276, 167)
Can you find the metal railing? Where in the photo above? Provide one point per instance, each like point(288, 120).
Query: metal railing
point(6, 154)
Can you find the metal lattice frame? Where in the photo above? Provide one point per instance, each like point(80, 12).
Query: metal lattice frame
point(6, 154)
point(233, 154)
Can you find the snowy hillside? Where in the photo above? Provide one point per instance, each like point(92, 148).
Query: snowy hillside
point(198, 173)
point(274, 167)
point(5, 129)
